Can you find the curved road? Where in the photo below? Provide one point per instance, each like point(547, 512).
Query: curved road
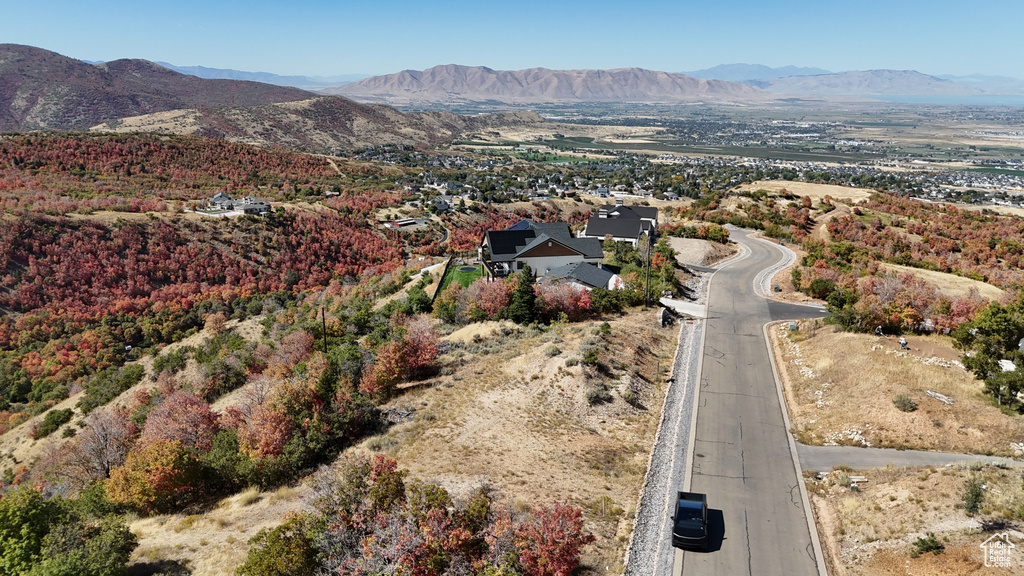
point(742, 457)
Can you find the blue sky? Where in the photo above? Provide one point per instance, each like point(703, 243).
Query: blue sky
point(309, 37)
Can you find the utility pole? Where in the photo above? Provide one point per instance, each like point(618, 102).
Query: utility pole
point(647, 287)
point(323, 319)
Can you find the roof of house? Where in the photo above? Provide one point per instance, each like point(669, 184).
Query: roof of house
point(617, 227)
point(584, 273)
point(630, 211)
point(506, 245)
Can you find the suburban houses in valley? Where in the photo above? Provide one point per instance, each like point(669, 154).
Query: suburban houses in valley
point(622, 223)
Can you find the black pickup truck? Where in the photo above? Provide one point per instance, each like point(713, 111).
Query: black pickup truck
point(690, 521)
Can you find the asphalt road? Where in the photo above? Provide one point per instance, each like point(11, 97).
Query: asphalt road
point(823, 458)
point(742, 457)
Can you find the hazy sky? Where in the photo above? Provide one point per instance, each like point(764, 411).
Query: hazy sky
point(325, 37)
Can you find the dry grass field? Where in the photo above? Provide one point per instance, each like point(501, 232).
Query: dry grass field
point(950, 285)
point(817, 192)
point(840, 387)
point(870, 530)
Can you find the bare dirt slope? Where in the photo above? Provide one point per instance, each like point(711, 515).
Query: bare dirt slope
point(514, 414)
point(699, 252)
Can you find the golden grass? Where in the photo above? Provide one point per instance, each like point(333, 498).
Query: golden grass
point(840, 387)
point(949, 284)
point(817, 192)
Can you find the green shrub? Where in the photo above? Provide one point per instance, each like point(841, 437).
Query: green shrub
point(598, 395)
point(552, 351)
point(54, 419)
point(927, 544)
point(571, 361)
point(109, 384)
point(973, 496)
point(173, 362)
point(286, 550)
point(905, 403)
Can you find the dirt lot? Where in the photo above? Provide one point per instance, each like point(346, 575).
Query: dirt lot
point(700, 252)
point(871, 530)
point(840, 387)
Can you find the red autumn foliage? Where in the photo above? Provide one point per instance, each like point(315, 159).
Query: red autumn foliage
point(264, 433)
point(421, 341)
point(155, 478)
point(564, 298)
point(549, 544)
point(181, 418)
point(388, 369)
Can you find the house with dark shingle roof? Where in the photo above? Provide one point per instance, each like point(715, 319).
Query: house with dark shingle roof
point(542, 246)
point(622, 223)
point(586, 275)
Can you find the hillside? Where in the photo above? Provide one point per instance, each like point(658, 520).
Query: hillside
point(42, 90)
point(477, 83)
point(324, 123)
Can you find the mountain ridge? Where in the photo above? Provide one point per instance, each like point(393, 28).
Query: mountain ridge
point(745, 72)
point(544, 85)
point(43, 90)
point(295, 81)
point(881, 82)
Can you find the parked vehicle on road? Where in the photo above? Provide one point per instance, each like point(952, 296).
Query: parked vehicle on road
point(690, 521)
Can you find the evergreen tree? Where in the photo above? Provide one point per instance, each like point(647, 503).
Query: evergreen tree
point(522, 308)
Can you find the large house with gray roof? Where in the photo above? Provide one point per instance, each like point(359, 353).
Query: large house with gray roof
point(542, 246)
point(622, 223)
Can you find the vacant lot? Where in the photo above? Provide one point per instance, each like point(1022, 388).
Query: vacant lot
point(871, 530)
point(700, 252)
point(840, 388)
point(817, 192)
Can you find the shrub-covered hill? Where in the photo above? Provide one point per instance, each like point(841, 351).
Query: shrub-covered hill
point(58, 173)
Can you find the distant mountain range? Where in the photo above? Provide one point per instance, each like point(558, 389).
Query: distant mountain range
point(42, 90)
point(453, 84)
point(866, 84)
point(746, 72)
point(478, 83)
point(304, 82)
